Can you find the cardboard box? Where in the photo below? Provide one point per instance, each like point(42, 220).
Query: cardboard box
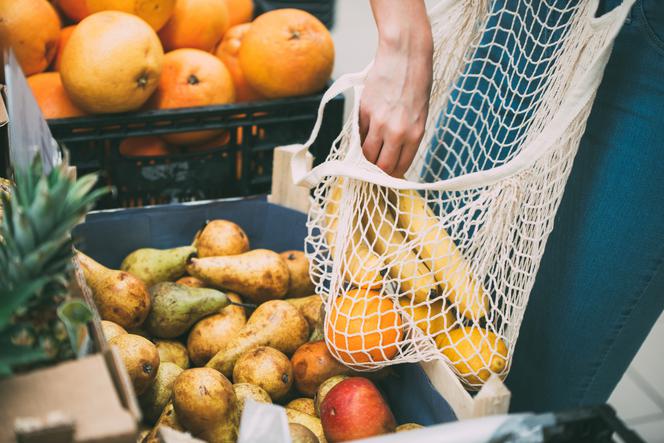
point(78, 401)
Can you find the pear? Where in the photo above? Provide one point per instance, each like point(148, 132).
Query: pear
point(173, 351)
point(243, 391)
point(156, 265)
point(298, 268)
point(310, 308)
point(221, 237)
point(157, 396)
point(301, 434)
point(303, 404)
point(120, 297)
point(140, 358)
point(275, 323)
point(258, 275)
point(308, 421)
point(210, 334)
point(267, 368)
point(168, 418)
point(175, 308)
point(111, 329)
point(190, 281)
point(206, 405)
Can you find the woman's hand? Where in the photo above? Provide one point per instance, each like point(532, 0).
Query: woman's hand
point(395, 101)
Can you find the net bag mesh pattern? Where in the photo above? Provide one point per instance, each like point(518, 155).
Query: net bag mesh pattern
point(440, 265)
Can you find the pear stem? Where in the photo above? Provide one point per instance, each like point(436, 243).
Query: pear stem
point(244, 305)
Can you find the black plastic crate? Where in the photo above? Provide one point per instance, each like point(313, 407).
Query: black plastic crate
point(594, 424)
point(241, 167)
point(322, 9)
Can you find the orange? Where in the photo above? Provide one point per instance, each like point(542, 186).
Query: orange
point(364, 327)
point(192, 77)
point(287, 52)
point(155, 12)
point(51, 96)
point(76, 10)
point(32, 29)
point(64, 38)
point(217, 142)
point(239, 11)
point(227, 51)
point(196, 24)
point(111, 62)
point(147, 146)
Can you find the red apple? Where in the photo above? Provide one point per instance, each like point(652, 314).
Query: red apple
point(355, 409)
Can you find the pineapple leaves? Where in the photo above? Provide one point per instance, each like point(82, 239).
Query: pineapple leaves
point(36, 251)
point(11, 356)
point(19, 296)
point(75, 315)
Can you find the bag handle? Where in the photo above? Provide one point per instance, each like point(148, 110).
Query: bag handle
point(356, 166)
point(302, 176)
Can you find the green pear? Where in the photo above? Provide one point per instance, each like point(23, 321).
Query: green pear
point(157, 265)
point(155, 399)
point(175, 308)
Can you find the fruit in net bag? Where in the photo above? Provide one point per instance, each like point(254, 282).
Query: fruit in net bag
point(363, 326)
point(475, 353)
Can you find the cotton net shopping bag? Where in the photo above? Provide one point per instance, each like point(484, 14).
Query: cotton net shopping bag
point(440, 265)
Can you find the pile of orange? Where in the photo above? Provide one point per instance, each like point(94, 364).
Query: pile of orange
point(126, 55)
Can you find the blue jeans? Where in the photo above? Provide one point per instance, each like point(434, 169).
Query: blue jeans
point(600, 287)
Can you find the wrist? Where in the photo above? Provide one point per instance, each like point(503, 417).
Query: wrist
point(410, 40)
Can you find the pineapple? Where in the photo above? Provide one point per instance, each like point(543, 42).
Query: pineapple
point(36, 253)
point(5, 189)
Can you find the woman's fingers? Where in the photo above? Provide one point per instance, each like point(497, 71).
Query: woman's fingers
point(389, 143)
point(373, 141)
point(364, 122)
point(393, 139)
point(408, 151)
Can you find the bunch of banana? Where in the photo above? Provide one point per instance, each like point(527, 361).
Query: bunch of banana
point(434, 265)
point(404, 265)
point(361, 266)
point(438, 249)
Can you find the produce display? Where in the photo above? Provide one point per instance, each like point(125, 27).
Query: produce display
point(111, 56)
point(225, 323)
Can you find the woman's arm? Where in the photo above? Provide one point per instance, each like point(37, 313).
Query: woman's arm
point(395, 101)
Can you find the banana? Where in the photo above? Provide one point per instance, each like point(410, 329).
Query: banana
point(361, 267)
point(413, 275)
point(432, 319)
point(438, 249)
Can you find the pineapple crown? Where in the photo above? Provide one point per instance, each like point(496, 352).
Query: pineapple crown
point(36, 251)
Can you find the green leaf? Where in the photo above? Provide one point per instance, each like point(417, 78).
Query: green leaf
point(75, 315)
point(12, 355)
point(18, 297)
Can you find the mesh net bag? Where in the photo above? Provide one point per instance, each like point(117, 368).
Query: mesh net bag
point(440, 265)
